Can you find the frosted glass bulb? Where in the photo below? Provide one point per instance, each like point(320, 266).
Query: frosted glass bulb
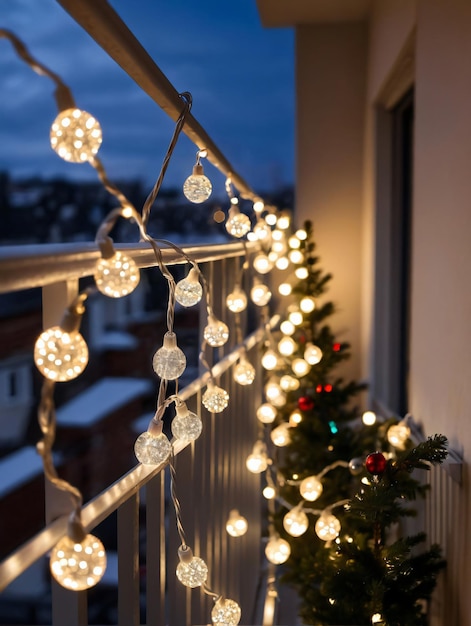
point(188, 291)
point(312, 354)
point(289, 383)
point(294, 243)
point(368, 418)
point(260, 294)
point(78, 565)
point(269, 492)
point(257, 462)
point(192, 574)
point(281, 435)
point(244, 372)
point(296, 257)
point(295, 522)
point(301, 234)
point(287, 346)
point(186, 425)
point(266, 413)
point(262, 231)
point(284, 289)
point(327, 527)
point(287, 327)
point(236, 301)
point(116, 276)
point(300, 367)
point(282, 263)
point(59, 355)
point(169, 362)
point(236, 525)
point(152, 450)
point(307, 304)
point(215, 399)
point(75, 135)
point(301, 272)
point(269, 359)
point(216, 332)
point(398, 435)
point(238, 224)
point(197, 187)
point(310, 488)
point(295, 317)
point(225, 612)
point(277, 551)
point(295, 418)
point(262, 263)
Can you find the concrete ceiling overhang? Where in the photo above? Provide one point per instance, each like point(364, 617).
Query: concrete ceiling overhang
point(278, 13)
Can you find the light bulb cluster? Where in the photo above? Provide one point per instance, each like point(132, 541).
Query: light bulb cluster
point(75, 135)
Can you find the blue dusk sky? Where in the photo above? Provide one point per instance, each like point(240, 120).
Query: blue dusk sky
point(240, 75)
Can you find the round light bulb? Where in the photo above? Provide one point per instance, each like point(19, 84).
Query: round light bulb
point(192, 573)
point(281, 435)
point(282, 263)
point(269, 359)
point(295, 418)
point(274, 393)
point(270, 219)
point(75, 136)
point(152, 450)
point(294, 243)
point(277, 235)
point(237, 224)
point(169, 362)
point(327, 527)
point(236, 301)
point(287, 327)
point(215, 399)
point(377, 620)
point(300, 367)
point(301, 234)
point(266, 413)
point(279, 247)
point(225, 612)
point(295, 522)
point(307, 304)
point(277, 551)
point(216, 332)
point(189, 291)
point(262, 263)
point(283, 221)
point(59, 355)
point(287, 346)
point(269, 492)
point(260, 294)
point(116, 276)
point(295, 317)
point(296, 256)
point(236, 525)
point(78, 565)
point(311, 488)
point(368, 418)
point(289, 383)
point(244, 372)
point(257, 461)
point(262, 230)
point(197, 187)
point(398, 435)
point(186, 425)
point(284, 289)
point(312, 354)
point(301, 272)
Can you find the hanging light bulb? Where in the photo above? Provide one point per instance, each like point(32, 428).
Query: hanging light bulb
point(301, 272)
point(270, 219)
point(311, 488)
point(169, 362)
point(294, 242)
point(269, 359)
point(197, 187)
point(296, 522)
point(216, 332)
point(368, 418)
point(281, 435)
point(307, 304)
point(287, 327)
point(257, 461)
point(295, 418)
point(277, 235)
point(377, 620)
point(236, 524)
point(258, 206)
point(75, 136)
point(189, 291)
point(237, 224)
point(266, 413)
point(300, 367)
point(116, 275)
point(285, 289)
point(295, 316)
point(301, 234)
point(277, 550)
point(327, 526)
point(282, 263)
point(244, 372)
point(296, 257)
point(186, 425)
point(225, 612)
point(262, 263)
point(312, 354)
point(283, 221)
point(398, 435)
point(215, 399)
point(289, 383)
point(78, 560)
point(274, 393)
point(236, 301)
point(287, 346)
point(152, 447)
point(279, 247)
point(269, 492)
point(262, 231)
point(191, 571)
point(260, 294)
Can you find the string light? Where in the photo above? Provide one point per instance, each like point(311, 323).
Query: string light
point(116, 275)
point(75, 135)
point(186, 425)
point(296, 257)
point(244, 372)
point(236, 525)
point(296, 522)
point(368, 418)
point(283, 221)
point(152, 447)
point(269, 359)
point(274, 393)
point(281, 435)
point(215, 399)
point(295, 418)
point(301, 272)
point(237, 224)
point(287, 346)
point(169, 362)
point(262, 231)
point(269, 492)
point(307, 304)
point(287, 327)
point(282, 263)
point(277, 550)
point(311, 488)
point(398, 435)
point(270, 219)
point(260, 294)
point(301, 234)
point(191, 570)
point(257, 461)
point(293, 242)
point(312, 354)
point(236, 301)
point(285, 289)
point(300, 367)
point(225, 612)
point(266, 413)
point(197, 188)
point(216, 332)
point(189, 291)
point(327, 526)
point(289, 383)
point(262, 264)
point(295, 316)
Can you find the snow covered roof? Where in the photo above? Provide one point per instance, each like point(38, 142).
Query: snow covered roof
point(101, 399)
point(116, 340)
point(18, 468)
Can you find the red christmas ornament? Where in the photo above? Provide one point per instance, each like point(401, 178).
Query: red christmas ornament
point(305, 403)
point(336, 347)
point(328, 388)
point(376, 463)
point(319, 388)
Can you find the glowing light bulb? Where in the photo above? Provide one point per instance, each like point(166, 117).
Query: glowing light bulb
point(262, 230)
point(75, 136)
point(169, 362)
point(289, 383)
point(116, 276)
point(189, 291)
point(152, 449)
point(186, 425)
point(244, 372)
point(216, 332)
point(262, 263)
point(257, 461)
point(281, 435)
point(270, 219)
point(301, 272)
point(266, 413)
point(258, 206)
point(398, 435)
point(278, 247)
point(301, 234)
point(191, 571)
point(269, 492)
point(300, 367)
point(260, 294)
point(236, 525)
point(296, 257)
point(60, 355)
point(295, 418)
point(236, 301)
point(311, 488)
point(277, 551)
point(197, 188)
point(215, 399)
point(327, 527)
point(225, 612)
point(295, 317)
point(287, 327)
point(368, 418)
point(284, 289)
point(274, 393)
point(237, 224)
point(307, 304)
point(282, 263)
point(78, 565)
point(295, 522)
point(269, 359)
point(377, 619)
point(283, 221)
point(312, 354)
point(294, 242)
point(287, 346)
point(277, 235)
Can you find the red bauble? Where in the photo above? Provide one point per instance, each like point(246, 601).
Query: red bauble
point(319, 388)
point(336, 347)
point(305, 403)
point(376, 463)
point(328, 388)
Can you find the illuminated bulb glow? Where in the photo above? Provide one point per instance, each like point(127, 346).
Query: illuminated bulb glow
point(236, 301)
point(262, 230)
point(269, 359)
point(237, 224)
point(301, 234)
point(398, 435)
point(295, 418)
point(283, 221)
point(311, 488)
point(301, 272)
point(281, 435)
point(169, 362)
point(260, 294)
point(277, 235)
point(197, 188)
point(294, 243)
point(60, 356)
point(236, 525)
point(307, 304)
point(275, 395)
point(192, 573)
point(300, 367)
point(78, 565)
point(244, 372)
point(262, 264)
point(258, 206)
point(368, 418)
point(287, 327)
point(282, 263)
point(277, 551)
point(116, 276)
point(312, 354)
point(188, 291)
point(216, 332)
point(327, 527)
point(284, 289)
point(225, 612)
point(278, 247)
point(186, 425)
point(289, 383)
point(287, 346)
point(75, 136)
point(257, 461)
point(296, 257)
point(295, 317)
point(215, 399)
point(269, 492)
point(270, 219)
point(295, 522)
point(266, 413)
point(152, 450)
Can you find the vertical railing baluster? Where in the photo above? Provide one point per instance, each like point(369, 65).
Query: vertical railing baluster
point(128, 563)
point(155, 550)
